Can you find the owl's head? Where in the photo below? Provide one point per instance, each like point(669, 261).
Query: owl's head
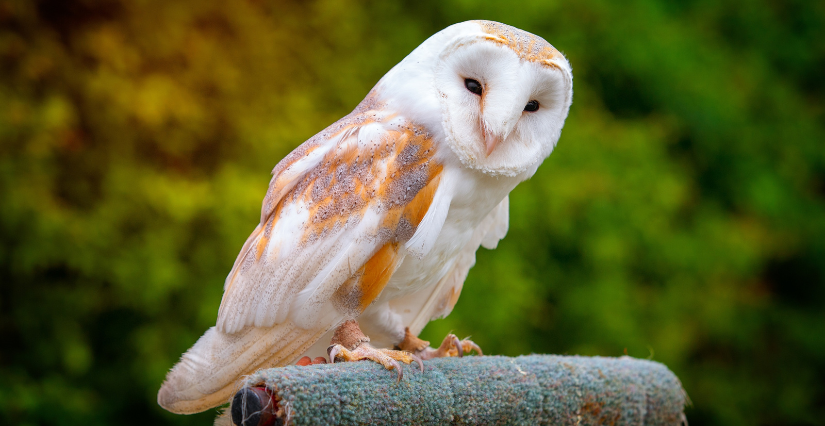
point(501, 94)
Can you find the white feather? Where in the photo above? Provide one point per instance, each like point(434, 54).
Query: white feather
point(430, 228)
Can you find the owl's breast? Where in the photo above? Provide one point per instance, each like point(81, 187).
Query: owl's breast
point(474, 197)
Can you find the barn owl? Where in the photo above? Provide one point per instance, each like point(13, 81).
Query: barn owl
point(377, 218)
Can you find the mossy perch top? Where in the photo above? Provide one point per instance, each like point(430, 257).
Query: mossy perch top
point(527, 390)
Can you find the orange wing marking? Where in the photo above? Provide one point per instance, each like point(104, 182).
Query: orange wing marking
point(376, 272)
point(405, 195)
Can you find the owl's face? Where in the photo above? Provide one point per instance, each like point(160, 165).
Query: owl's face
point(502, 94)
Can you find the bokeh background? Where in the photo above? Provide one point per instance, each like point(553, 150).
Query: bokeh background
point(681, 217)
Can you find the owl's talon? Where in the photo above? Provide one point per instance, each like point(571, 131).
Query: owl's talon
point(450, 346)
point(387, 357)
point(469, 346)
point(457, 344)
point(333, 351)
point(418, 360)
point(397, 366)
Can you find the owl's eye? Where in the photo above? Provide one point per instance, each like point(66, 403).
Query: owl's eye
point(473, 86)
point(532, 106)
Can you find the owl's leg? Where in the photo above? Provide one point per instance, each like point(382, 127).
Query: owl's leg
point(450, 346)
point(350, 344)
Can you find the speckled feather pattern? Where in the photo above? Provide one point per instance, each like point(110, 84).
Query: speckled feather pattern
point(378, 167)
point(489, 390)
point(528, 47)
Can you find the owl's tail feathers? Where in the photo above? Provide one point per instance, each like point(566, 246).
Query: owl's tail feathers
point(210, 372)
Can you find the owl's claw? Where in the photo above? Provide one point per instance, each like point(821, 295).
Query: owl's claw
point(418, 360)
point(457, 344)
point(469, 346)
point(333, 352)
point(387, 357)
point(450, 346)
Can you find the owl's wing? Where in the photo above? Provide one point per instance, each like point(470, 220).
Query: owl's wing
point(338, 212)
point(341, 213)
point(438, 301)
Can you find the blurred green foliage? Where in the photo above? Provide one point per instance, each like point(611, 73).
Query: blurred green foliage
point(682, 216)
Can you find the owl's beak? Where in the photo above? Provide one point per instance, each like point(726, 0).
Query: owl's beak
point(496, 129)
point(491, 140)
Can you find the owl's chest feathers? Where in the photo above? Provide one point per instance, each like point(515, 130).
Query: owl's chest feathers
point(473, 197)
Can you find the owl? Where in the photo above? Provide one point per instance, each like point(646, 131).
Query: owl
point(370, 227)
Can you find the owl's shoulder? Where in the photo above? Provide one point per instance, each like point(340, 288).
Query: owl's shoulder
point(368, 160)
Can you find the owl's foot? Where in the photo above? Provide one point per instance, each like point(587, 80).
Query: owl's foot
point(450, 346)
point(309, 361)
point(387, 357)
point(350, 344)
